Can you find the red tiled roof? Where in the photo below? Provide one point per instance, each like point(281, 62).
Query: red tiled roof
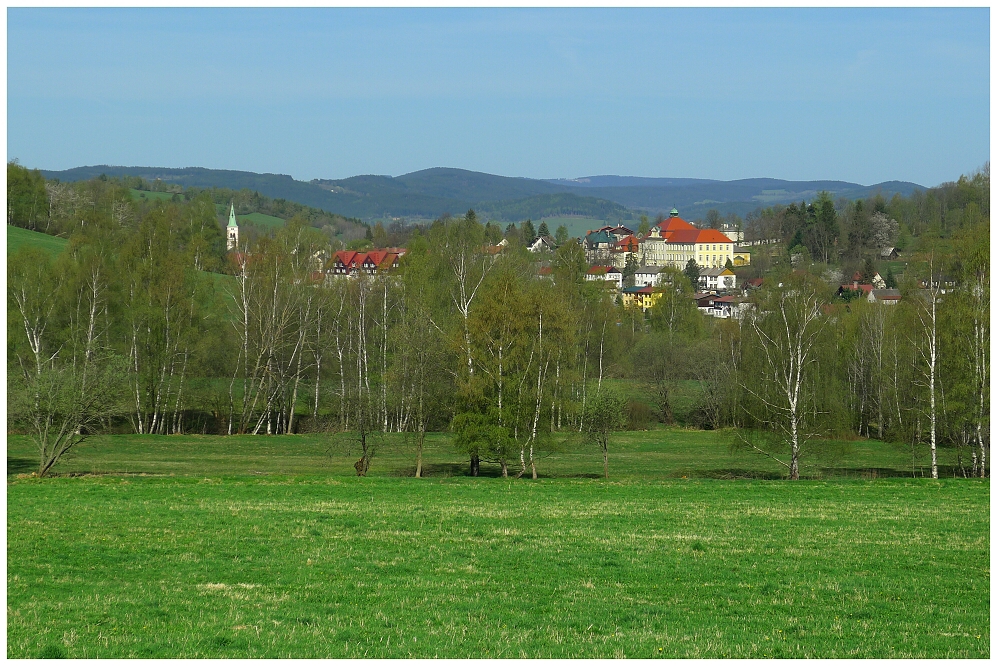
point(698, 236)
point(630, 243)
point(345, 257)
point(674, 224)
point(864, 288)
point(712, 236)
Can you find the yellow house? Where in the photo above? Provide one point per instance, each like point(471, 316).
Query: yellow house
point(641, 297)
point(741, 257)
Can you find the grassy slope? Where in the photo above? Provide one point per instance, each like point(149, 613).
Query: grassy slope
point(261, 220)
point(144, 194)
point(325, 567)
point(18, 238)
point(577, 226)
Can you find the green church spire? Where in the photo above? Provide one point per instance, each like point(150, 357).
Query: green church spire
point(231, 217)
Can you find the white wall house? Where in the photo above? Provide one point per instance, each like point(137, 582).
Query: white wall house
point(714, 279)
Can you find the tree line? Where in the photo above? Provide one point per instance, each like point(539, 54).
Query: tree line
point(145, 322)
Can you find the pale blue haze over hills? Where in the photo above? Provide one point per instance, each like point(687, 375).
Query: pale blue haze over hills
point(858, 95)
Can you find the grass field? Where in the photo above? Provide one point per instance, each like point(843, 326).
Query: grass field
point(262, 220)
point(577, 226)
point(268, 547)
point(152, 196)
point(18, 238)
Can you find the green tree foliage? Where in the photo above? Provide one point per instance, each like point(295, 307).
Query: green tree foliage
point(561, 235)
point(527, 231)
point(63, 380)
point(27, 199)
point(605, 413)
point(480, 340)
point(692, 271)
point(543, 230)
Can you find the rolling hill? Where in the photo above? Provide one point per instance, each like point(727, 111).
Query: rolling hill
point(429, 193)
point(18, 238)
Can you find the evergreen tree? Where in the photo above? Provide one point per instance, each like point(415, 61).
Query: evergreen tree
point(543, 230)
point(629, 270)
point(561, 235)
point(868, 271)
point(692, 272)
point(529, 233)
point(891, 280)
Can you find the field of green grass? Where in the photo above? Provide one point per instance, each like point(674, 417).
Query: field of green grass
point(18, 238)
point(261, 220)
point(185, 546)
point(151, 196)
point(577, 226)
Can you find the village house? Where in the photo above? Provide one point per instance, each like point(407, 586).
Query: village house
point(713, 279)
point(597, 245)
point(622, 248)
point(640, 297)
point(351, 262)
point(608, 274)
point(542, 244)
point(742, 257)
point(889, 253)
point(647, 276)
point(884, 296)
point(732, 231)
point(855, 286)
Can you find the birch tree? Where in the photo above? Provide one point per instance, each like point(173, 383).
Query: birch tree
point(786, 331)
point(64, 382)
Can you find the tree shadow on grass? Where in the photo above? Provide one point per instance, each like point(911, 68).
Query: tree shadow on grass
point(21, 465)
point(447, 470)
point(731, 473)
point(922, 471)
point(582, 475)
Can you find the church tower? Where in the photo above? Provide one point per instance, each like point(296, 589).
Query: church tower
point(232, 231)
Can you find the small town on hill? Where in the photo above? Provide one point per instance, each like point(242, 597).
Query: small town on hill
point(308, 350)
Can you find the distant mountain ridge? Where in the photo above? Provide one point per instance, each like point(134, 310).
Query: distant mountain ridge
point(429, 193)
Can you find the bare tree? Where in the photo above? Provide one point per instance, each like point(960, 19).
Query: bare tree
point(787, 328)
point(925, 343)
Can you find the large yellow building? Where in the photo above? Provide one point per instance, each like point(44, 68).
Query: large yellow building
point(673, 242)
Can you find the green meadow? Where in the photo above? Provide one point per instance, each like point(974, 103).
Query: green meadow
point(152, 196)
point(18, 238)
point(261, 220)
point(186, 546)
point(577, 226)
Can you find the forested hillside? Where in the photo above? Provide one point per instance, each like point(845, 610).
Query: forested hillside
point(479, 341)
point(61, 207)
point(431, 193)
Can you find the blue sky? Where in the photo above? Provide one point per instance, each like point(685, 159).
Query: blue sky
point(852, 94)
